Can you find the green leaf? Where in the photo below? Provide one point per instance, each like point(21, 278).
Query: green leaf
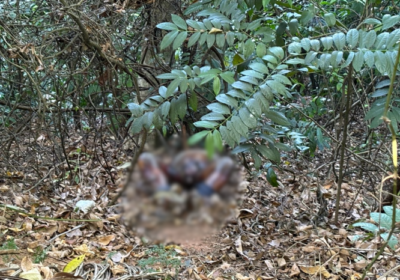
point(193, 23)
point(205, 124)
point(226, 136)
point(209, 145)
point(373, 21)
point(261, 49)
point(240, 127)
point(168, 39)
point(228, 100)
point(167, 26)
point(340, 40)
point(210, 40)
point(213, 117)
point(172, 87)
point(165, 109)
point(182, 106)
point(367, 226)
point(376, 111)
point(237, 59)
point(195, 138)
point(233, 132)
point(278, 118)
point(327, 42)
point(383, 220)
point(230, 38)
point(380, 92)
point(218, 108)
point(389, 21)
point(179, 22)
point(135, 109)
point(168, 76)
point(248, 48)
point(277, 52)
point(179, 40)
point(193, 101)
point(247, 118)
point(352, 38)
point(203, 38)
point(242, 86)
point(389, 211)
point(272, 178)
point(220, 39)
point(392, 242)
point(193, 39)
point(253, 73)
point(217, 141)
point(228, 77)
point(330, 19)
point(270, 58)
point(216, 85)
point(237, 93)
point(254, 107)
point(358, 61)
point(260, 67)
point(249, 79)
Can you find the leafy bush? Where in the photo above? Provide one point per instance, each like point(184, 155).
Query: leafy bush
point(384, 221)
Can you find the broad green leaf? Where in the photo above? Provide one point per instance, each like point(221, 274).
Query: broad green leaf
point(237, 93)
point(249, 79)
point(393, 39)
point(230, 38)
point(220, 39)
point(172, 87)
point(182, 106)
point(168, 39)
point(278, 118)
point(179, 40)
point(226, 136)
point(135, 109)
point(261, 49)
point(247, 118)
point(209, 145)
point(294, 26)
point(277, 52)
point(165, 109)
point(305, 44)
point(237, 59)
point(260, 67)
point(240, 127)
point(389, 211)
point(272, 178)
point(193, 101)
point(193, 39)
point(367, 226)
point(389, 21)
point(380, 92)
point(210, 40)
point(382, 220)
point(381, 40)
point(376, 111)
point(248, 48)
point(340, 40)
point(205, 124)
point(352, 38)
point(358, 61)
point(253, 73)
point(348, 60)
point(213, 117)
point(330, 19)
point(228, 100)
point(295, 61)
point(219, 108)
point(370, 39)
point(270, 58)
point(327, 42)
point(373, 21)
point(294, 48)
point(233, 132)
point(179, 21)
point(242, 86)
point(254, 107)
point(369, 58)
point(256, 158)
point(217, 141)
point(392, 242)
point(193, 23)
point(315, 45)
point(262, 101)
point(167, 26)
point(216, 85)
point(168, 76)
point(203, 38)
point(195, 138)
point(228, 77)
point(242, 148)
point(183, 85)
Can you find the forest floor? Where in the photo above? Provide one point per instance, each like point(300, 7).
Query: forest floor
point(284, 232)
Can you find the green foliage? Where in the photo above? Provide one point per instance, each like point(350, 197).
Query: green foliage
point(8, 245)
point(384, 220)
point(39, 254)
point(250, 92)
point(159, 256)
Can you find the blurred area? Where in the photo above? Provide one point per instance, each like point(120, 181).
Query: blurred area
point(181, 195)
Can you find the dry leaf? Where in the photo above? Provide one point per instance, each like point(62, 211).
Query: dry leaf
point(26, 264)
point(105, 240)
point(294, 270)
point(33, 274)
point(315, 269)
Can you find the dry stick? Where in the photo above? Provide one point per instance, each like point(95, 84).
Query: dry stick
point(344, 139)
point(394, 157)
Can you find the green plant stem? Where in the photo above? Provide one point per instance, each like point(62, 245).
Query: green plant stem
point(395, 165)
point(343, 143)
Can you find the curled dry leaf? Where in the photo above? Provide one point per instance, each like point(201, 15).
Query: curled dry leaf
point(105, 240)
point(65, 276)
